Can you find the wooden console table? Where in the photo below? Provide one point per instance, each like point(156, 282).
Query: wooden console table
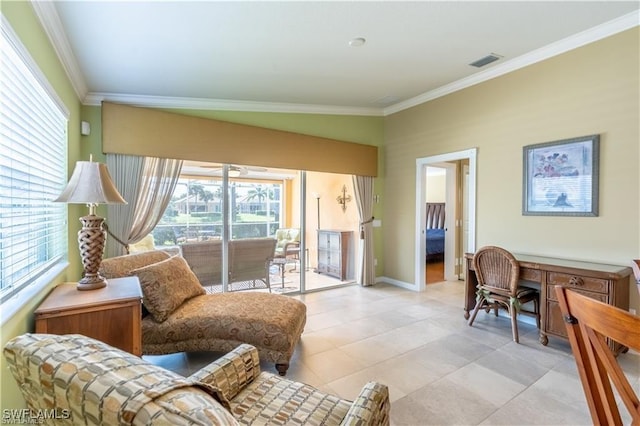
point(112, 314)
point(607, 283)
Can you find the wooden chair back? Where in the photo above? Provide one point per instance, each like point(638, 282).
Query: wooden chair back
point(589, 323)
point(497, 268)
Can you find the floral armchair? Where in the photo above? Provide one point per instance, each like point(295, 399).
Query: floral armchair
point(287, 242)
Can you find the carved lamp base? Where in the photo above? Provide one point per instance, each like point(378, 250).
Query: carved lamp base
point(91, 240)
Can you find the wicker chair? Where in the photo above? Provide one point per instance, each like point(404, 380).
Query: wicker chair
point(205, 260)
point(249, 261)
point(591, 325)
point(498, 274)
point(287, 243)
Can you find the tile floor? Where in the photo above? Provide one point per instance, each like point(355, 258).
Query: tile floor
point(439, 370)
point(289, 284)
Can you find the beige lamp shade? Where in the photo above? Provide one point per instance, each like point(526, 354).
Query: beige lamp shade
point(90, 183)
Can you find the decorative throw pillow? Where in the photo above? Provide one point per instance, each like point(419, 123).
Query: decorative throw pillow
point(166, 285)
point(121, 266)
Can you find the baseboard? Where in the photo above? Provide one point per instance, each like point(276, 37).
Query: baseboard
point(397, 283)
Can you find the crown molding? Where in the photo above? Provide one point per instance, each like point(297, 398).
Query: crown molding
point(225, 105)
point(45, 11)
point(50, 21)
point(575, 41)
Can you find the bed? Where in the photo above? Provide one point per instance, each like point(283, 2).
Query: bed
point(435, 231)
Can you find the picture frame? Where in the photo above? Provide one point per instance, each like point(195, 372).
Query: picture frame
point(561, 178)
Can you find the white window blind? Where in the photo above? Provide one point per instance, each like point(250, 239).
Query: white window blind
point(33, 170)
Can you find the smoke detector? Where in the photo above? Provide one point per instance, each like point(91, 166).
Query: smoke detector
point(357, 42)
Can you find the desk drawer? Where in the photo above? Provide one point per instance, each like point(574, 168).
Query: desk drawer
point(582, 283)
point(602, 297)
point(553, 321)
point(531, 274)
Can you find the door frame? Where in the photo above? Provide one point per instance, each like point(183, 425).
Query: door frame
point(421, 210)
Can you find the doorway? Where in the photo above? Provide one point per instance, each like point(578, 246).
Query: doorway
point(436, 197)
point(459, 228)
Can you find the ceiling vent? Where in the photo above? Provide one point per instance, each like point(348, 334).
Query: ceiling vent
point(486, 60)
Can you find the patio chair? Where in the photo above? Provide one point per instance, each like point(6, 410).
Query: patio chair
point(287, 245)
point(205, 260)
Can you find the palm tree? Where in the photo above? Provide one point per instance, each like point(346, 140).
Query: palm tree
point(258, 192)
point(206, 196)
point(197, 190)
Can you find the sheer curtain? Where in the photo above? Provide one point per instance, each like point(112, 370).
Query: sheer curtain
point(363, 190)
point(147, 183)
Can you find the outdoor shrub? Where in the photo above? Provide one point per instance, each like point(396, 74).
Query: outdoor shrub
point(164, 236)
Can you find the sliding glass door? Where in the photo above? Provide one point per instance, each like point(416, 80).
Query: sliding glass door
point(313, 217)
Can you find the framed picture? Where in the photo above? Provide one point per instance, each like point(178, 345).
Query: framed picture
point(561, 177)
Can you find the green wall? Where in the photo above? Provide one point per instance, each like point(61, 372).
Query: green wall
point(366, 130)
point(25, 24)
point(593, 89)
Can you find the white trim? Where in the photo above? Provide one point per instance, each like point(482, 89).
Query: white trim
point(225, 105)
point(420, 215)
point(31, 64)
point(450, 221)
point(591, 35)
point(303, 227)
point(45, 10)
point(50, 21)
point(397, 283)
point(12, 306)
point(421, 220)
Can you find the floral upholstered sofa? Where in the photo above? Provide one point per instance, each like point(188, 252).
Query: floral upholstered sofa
point(78, 380)
point(183, 318)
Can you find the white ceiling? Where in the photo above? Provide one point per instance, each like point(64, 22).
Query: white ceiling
point(295, 56)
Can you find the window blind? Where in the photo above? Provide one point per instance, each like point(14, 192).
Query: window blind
point(33, 170)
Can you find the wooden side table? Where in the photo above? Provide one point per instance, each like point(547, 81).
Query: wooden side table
point(111, 314)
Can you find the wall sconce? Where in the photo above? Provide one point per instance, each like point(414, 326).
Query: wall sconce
point(344, 198)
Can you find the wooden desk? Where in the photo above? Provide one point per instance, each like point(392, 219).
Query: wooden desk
point(112, 314)
point(607, 283)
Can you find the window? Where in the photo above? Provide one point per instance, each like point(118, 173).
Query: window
point(195, 211)
point(33, 170)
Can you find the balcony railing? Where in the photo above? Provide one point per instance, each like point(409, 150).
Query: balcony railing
point(167, 235)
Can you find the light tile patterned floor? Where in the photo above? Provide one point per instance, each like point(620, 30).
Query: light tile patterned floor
point(439, 370)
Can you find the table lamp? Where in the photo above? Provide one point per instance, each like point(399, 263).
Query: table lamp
point(91, 184)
